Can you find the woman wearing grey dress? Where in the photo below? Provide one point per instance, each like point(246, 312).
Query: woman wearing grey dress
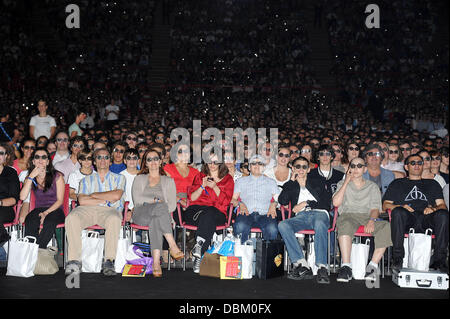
point(154, 197)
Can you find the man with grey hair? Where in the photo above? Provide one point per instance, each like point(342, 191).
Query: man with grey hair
point(253, 196)
point(374, 155)
point(101, 203)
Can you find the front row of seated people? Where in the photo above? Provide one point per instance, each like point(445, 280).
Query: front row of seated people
point(413, 201)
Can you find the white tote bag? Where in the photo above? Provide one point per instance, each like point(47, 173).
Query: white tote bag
point(245, 251)
point(23, 254)
point(419, 250)
point(122, 248)
point(359, 259)
point(91, 251)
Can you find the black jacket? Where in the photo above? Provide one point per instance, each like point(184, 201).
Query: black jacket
point(291, 192)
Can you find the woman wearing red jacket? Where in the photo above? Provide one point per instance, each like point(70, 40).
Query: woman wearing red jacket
point(210, 196)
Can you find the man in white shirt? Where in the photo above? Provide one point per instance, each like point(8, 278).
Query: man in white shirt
point(42, 124)
point(112, 114)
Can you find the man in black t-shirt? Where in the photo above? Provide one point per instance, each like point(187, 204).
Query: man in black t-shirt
point(417, 203)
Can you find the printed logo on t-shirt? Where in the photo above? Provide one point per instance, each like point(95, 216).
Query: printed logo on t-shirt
point(415, 194)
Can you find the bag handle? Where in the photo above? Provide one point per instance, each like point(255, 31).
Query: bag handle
point(26, 239)
point(424, 283)
point(93, 234)
point(411, 231)
point(367, 241)
point(429, 230)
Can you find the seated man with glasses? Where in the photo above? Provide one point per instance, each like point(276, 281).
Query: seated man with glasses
point(256, 208)
point(310, 202)
point(62, 148)
point(101, 203)
point(118, 152)
point(374, 156)
point(131, 161)
point(85, 160)
point(359, 203)
point(417, 203)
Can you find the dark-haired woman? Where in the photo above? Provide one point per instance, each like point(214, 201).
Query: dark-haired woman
point(48, 187)
point(210, 195)
point(154, 198)
point(9, 192)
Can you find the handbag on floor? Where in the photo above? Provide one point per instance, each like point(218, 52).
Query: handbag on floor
point(23, 254)
point(419, 250)
point(141, 260)
point(246, 252)
point(92, 251)
point(46, 263)
point(122, 248)
point(210, 265)
point(359, 259)
point(269, 258)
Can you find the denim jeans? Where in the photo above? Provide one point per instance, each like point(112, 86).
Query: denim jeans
point(268, 225)
point(316, 220)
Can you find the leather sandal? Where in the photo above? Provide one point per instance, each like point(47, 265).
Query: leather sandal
point(176, 256)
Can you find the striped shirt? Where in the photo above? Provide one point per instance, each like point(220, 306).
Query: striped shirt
point(257, 192)
point(93, 184)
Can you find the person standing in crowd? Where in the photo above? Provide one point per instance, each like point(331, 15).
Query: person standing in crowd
point(62, 148)
point(9, 193)
point(310, 202)
point(112, 112)
point(48, 186)
point(374, 155)
point(359, 203)
point(67, 166)
point(101, 202)
point(256, 198)
point(42, 123)
point(417, 203)
point(154, 197)
point(74, 129)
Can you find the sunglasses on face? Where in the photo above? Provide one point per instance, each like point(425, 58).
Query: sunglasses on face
point(284, 155)
point(351, 148)
point(2, 153)
point(257, 163)
point(445, 155)
point(78, 146)
point(428, 145)
point(28, 147)
point(132, 158)
point(132, 139)
point(151, 159)
point(306, 151)
point(214, 163)
point(414, 163)
point(40, 143)
point(405, 149)
point(142, 150)
point(427, 159)
point(315, 144)
point(118, 150)
point(84, 158)
point(359, 165)
point(245, 166)
point(37, 157)
point(324, 154)
point(65, 140)
point(298, 166)
point(393, 151)
point(337, 151)
point(183, 151)
point(436, 158)
point(100, 157)
point(378, 154)
point(296, 151)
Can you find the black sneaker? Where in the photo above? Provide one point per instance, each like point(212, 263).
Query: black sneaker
point(300, 273)
point(397, 264)
point(345, 274)
point(108, 268)
point(73, 267)
point(440, 266)
point(322, 276)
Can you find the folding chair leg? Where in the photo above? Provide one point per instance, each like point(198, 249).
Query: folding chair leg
point(328, 254)
point(184, 249)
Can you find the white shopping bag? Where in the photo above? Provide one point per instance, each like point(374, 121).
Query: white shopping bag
point(122, 249)
point(359, 259)
point(22, 257)
point(91, 251)
point(419, 250)
point(15, 235)
point(311, 257)
point(245, 251)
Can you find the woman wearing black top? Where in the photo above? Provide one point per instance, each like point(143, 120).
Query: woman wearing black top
point(9, 193)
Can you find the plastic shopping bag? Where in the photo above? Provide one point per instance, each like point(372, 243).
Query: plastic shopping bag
point(23, 254)
point(92, 251)
point(419, 250)
point(359, 259)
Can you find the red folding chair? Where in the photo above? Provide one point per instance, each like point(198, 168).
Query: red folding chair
point(184, 226)
point(311, 232)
